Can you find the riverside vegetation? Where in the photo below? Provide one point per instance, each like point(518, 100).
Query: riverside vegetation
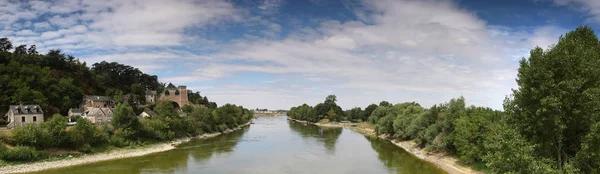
point(550, 124)
point(57, 82)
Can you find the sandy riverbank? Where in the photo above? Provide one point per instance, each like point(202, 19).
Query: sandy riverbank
point(115, 154)
point(443, 161)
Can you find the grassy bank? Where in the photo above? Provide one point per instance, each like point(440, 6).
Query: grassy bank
point(107, 154)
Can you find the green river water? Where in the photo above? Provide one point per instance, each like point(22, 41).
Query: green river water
point(271, 145)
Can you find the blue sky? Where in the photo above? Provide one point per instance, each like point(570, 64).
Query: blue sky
point(281, 53)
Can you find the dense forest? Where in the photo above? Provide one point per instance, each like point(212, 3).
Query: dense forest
point(550, 124)
point(58, 82)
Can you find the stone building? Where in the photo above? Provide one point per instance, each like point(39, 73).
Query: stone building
point(99, 115)
point(19, 115)
point(95, 101)
point(150, 97)
point(178, 95)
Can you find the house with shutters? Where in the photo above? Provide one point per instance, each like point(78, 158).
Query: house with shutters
point(20, 115)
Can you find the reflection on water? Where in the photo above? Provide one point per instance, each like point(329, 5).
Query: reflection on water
point(272, 145)
point(326, 135)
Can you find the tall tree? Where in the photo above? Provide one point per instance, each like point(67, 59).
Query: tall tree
point(558, 94)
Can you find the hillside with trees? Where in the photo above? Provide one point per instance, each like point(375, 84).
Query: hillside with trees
point(550, 124)
point(57, 82)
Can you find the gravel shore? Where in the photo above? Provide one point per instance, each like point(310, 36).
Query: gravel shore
point(115, 154)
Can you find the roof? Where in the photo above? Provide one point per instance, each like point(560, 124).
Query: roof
point(99, 112)
point(26, 109)
point(76, 110)
point(97, 98)
point(150, 113)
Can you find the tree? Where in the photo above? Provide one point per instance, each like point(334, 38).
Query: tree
point(166, 109)
point(125, 119)
point(331, 99)
point(57, 127)
point(368, 111)
point(558, 94)
point(5, 44)
point(32, 50)
point(21, 49)
point(384, 104)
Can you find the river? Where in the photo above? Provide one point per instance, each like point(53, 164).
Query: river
point(271, 145)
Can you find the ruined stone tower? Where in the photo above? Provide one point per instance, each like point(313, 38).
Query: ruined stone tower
point(178, 95)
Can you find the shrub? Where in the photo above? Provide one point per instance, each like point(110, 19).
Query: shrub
point(57, 128)
point(21, 154)
point(117, 141)
point(509, 152)
point(83, 133)
point(156, 129)
point(31, 135)
point(86, 148)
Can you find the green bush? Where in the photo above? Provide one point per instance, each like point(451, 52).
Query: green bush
point(84, 132)
point(21, 154)
point(57, 128)
point(118, 141)
point(156, 129)
point(32, 135)
point(86, 148)
point(509, 152)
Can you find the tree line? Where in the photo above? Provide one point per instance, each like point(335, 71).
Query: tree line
point(550, 123)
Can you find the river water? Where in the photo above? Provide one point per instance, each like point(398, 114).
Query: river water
point(271, 145)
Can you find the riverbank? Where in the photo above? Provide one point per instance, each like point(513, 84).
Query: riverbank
point(115, 154)
point(445, 162)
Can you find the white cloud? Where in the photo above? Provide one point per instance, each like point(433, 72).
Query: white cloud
point(107, 24)
point(409, 49)
point(25, 33)
point(398, 50)
point(40, 26)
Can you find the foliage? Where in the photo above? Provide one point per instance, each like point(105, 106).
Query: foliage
point(31, 135)
point(304, 112)
point(558, 98)
point(368, 111)
point(57, 129)
point(588, 158)
point(509, 152)
point(125, 120)
point(21, 154)
point(354, 114)
point(84, 133)
point(471, 131)
point(57, 81)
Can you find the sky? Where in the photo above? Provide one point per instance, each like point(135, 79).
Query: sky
point(277, 54)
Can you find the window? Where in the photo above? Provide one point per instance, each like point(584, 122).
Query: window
point(167, 93)
point(22, 119)
point(34, 118)
point(176, 92)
